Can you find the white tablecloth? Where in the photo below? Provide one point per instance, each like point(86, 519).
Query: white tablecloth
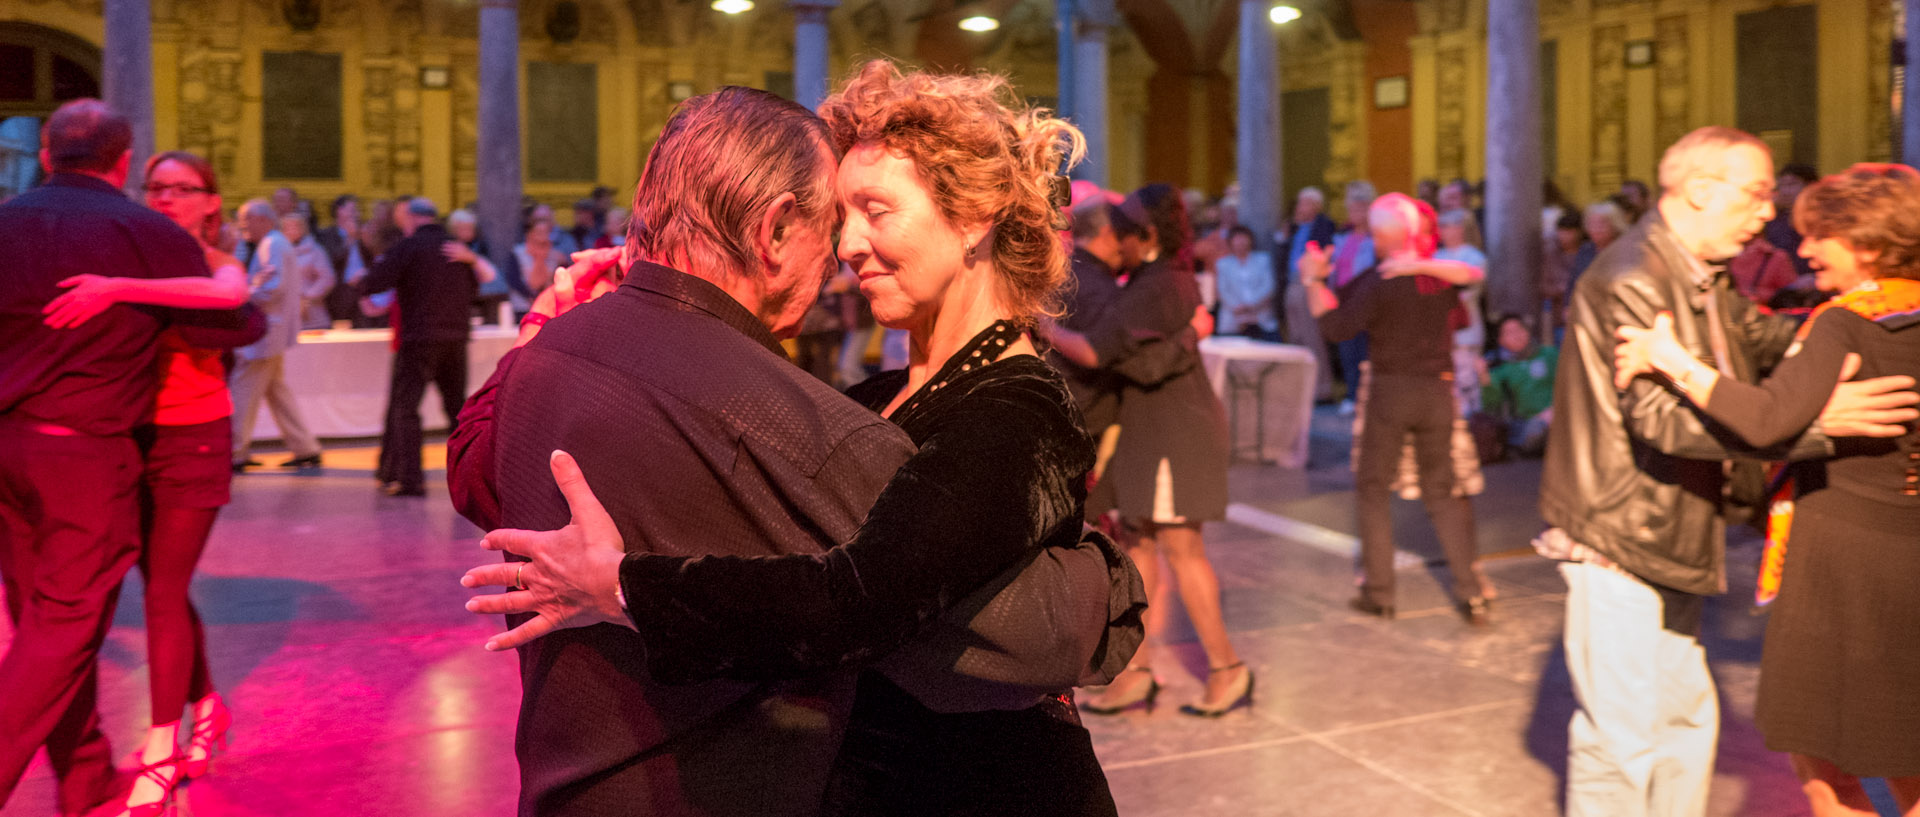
point(1284, 409)
point(340, 379)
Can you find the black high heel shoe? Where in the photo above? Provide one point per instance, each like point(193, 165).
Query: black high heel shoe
point(1146, 696)
point(1245, 698)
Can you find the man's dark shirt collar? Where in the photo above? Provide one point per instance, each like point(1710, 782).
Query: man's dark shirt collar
point(698, 295)
point(84, 182)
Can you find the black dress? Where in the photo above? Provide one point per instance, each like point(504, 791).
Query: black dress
point(1840, 674)
point(1169, 415)
point(1000, 473)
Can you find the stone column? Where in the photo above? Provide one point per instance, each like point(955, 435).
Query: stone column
point(1090, 25)
point(1065, 25)
point(1256, 150)
point(127, 74)
point(810, 69)
point(1910, 107)
point(498, 164)
point(1514, 175)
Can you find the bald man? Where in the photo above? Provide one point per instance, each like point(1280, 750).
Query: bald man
point(259, 369)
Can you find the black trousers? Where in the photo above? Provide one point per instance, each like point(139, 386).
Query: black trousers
point(444, 364)
point(1420, 405)
point(69, 530)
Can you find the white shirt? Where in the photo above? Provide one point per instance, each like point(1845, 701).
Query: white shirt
point(1245, 283)
point(1475, 335)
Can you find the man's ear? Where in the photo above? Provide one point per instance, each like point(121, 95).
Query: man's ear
point(775, 231)
point(1697, 191)
point(46, 161)
point(123, 168)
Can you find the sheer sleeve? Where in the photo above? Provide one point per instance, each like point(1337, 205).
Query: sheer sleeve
point(1779, 408)
point(1002, 471)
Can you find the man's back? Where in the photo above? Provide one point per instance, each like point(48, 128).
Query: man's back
point(700, 439)
point(96, 378)
point(435, 294)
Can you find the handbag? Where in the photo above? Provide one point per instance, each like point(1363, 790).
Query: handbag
point(1066, 616)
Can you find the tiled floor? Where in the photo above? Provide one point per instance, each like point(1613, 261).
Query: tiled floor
point(360, 688)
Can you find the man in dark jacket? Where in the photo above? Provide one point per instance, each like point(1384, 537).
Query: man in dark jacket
point(1096, 266)
point(434, 296)
point(69, 471)
point(349, 259)
point(1636, 482)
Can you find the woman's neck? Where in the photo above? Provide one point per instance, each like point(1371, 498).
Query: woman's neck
point(969, 307)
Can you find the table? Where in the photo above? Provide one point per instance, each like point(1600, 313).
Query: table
point(340, 378)
point(1273, 384)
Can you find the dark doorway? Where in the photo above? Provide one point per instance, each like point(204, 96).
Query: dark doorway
point(1776, 59)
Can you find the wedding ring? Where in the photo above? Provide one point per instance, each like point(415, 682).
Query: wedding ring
point(517, 585)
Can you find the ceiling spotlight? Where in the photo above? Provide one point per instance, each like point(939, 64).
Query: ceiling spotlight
point(1281, 15)
point(732, 6)
point(978, 23)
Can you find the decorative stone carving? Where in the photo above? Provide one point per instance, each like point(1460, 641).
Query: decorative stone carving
point(1673, 85)
point(1880, 124)
point(466, 128)
point(650, 22)
point(1344, 109)
point(1450, 15)
point(1450, 114)
point(874, 23)
point(210, 105)
point(1609, 106)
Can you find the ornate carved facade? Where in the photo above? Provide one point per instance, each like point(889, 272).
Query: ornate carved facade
point(1673, 87)
point(1609, 106)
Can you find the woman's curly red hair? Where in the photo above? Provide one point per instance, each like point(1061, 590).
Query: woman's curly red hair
point(1875, 207)
point(985, 156)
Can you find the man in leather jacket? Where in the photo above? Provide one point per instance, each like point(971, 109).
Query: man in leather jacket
point(1635, 482)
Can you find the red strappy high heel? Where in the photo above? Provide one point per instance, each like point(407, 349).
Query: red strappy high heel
point(208, 735)
point(165, 774)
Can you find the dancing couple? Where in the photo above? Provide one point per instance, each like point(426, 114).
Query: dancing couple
point(756, 596)
point(116, 420)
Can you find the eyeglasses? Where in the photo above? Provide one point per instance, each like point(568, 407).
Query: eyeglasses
point(161, 190)
point(1757, 192)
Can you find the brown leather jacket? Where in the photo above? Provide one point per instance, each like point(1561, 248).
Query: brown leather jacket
point(1640, 475)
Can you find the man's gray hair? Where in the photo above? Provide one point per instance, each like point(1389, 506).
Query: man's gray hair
point(1312, 193)
point(1702, 153)
point(1361, 189)
point(721, 161)
point(259, 207)
point(1090, 217)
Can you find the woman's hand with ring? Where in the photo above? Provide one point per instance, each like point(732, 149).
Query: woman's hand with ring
point(571, 577)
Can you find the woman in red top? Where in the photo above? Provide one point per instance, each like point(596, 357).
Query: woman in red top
point(187, 477)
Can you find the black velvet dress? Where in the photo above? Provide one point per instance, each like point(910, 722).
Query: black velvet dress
point(1000, 473)
point(1840, 675)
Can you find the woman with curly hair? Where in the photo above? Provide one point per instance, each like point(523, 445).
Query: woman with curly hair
point(1839, 679)
point(947, 186)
